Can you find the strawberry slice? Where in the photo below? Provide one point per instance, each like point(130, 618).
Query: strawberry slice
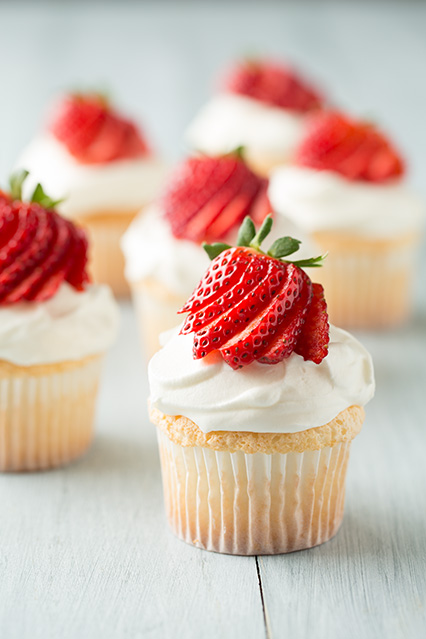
point(235, 211)
point(208, 196)
point(284, 343)
point(256, 338)
point(272, 83)
point(314, 337)
point(38, 250)
point(356, 150)
point(224, 273)
point(231, 294)
point(251, 297)
point(93, 133)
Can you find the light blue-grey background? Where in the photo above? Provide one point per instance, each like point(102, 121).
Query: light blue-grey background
point(84, 551)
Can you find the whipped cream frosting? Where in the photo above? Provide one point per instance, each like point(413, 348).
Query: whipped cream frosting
point(152, 252)
point(228, 121)
point(68, 327)
point(326, 201)
point(120, 186)
point(288, 397)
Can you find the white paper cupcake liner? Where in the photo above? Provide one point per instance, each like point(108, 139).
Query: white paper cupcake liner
point(46, 418)
point(368, 289)
point(248, 504)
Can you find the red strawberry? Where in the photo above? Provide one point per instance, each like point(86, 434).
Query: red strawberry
point(93, 133)
point(354, 149)
point(251, 296)
point(38, 250)
point(284, 344)
point(272, 83)
point(209, 196)
point(256, 338)
point(253, 306)
point(313, 342)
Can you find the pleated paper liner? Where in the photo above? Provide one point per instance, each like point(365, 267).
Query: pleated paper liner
point(368, 282)
point(247, 503)
point(46, 413)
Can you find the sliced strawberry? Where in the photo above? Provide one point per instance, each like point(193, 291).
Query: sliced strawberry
point(256, 338)
point(354, 149)
point(223, 274)
point(254, 306)
point(93, 133)
point(38, 251)
point(26, 262)
point(273, 84)
point(208, 196)
point(235, 211)
point(252, 297)
point(232, 291)
point(314, 337)
point(284, 343)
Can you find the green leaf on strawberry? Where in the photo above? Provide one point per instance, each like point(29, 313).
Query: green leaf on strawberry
point(282, 247)
point(40, 197)
point(16, 181)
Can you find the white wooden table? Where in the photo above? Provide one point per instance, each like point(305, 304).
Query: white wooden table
point(85, 551)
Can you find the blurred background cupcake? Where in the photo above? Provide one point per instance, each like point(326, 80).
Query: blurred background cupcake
point(261, 105)
point(347, 190)
point(99, 163)
point(55, 328)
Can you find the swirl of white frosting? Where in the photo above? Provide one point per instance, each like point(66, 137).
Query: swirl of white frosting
point(229, 120)
point(324, 200)
point(288, 397)
point(152, 252)
point(68, 327)
point(120, 186)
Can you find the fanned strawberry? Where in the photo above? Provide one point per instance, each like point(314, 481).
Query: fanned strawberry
point(93, 133)
point(251, 296)
point(38, 248)
point(231, 289)
point(207, 197)
point(255, 306)
point(272, 83)
point(224, 272)
point(354, 149)
point(313, 341)
point(284, 344)
point(257, 336)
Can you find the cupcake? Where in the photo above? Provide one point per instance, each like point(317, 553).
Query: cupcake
point(256, 401)
point(347, 191)
point(261, 105)
point(205, 199)
point(54, 330)
point(102, 166)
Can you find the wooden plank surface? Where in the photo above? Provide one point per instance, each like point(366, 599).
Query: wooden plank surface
point(85, 551)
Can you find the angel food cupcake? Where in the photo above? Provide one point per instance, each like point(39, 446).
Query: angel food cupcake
point(256, 401)
point(54, 330)
point(100, 164)
point(205, 199)
point(261, 105)
point(347, 191)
